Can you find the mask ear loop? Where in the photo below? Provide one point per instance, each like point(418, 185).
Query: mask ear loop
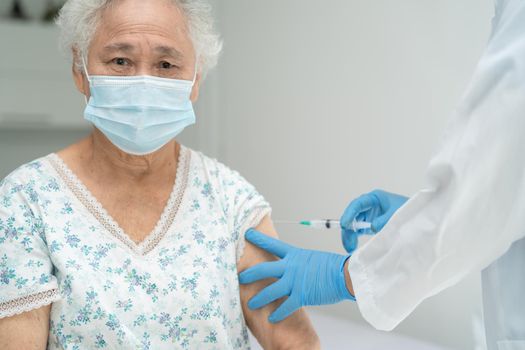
point(195, 74)
point(84, 66)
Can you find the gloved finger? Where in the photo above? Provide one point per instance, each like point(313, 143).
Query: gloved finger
point(363, 216)
point(262, 271)
point(269, 294)
point(288, 307)
point(350, 240)
point(357, 206)
point(380, 222)
point(272, 245)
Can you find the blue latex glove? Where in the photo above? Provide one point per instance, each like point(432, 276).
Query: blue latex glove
point(376, 207)
point(306, 277)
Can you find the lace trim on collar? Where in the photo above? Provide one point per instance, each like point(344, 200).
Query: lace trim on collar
point(100, 213)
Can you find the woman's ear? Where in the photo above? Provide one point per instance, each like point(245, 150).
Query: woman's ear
point(196, 88)
point(78, 75)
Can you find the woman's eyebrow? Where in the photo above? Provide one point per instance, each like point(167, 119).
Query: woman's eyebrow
point(119, 47)
point(169, 51)
point(129, 48)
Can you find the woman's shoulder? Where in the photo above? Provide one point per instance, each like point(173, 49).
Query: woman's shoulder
point(211, 166)
point(31, 173)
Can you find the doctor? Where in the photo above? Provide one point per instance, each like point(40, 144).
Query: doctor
point(470, 216)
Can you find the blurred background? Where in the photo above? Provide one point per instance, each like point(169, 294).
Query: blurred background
point(314, 102)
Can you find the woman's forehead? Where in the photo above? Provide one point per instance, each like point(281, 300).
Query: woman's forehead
point(130, 21)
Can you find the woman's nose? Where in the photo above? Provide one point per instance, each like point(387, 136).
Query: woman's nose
point(144, 69)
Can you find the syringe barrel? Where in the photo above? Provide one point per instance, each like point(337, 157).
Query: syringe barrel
point(324, 224)
point(361, 225)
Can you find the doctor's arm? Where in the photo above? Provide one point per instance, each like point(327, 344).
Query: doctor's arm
point(471, 210)
point(295, 332)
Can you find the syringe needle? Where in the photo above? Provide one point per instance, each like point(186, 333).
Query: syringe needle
point(285, 222)
point(325, 224)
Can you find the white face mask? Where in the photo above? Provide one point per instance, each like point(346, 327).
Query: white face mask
point(139, 114)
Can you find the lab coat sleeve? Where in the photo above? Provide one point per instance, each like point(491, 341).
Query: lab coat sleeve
point(473, 206)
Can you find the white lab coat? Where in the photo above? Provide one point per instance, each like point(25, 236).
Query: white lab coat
point(503, 292)
point(472, 208)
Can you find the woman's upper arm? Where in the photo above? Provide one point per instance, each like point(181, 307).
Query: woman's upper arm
point(28, 330)
point(294, 332)
point(30, 282)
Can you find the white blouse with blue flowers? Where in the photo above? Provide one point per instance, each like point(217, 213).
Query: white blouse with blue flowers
point(176, 289)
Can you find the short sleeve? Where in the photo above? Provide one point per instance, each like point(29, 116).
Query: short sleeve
point(245, 207)
point(26, 272)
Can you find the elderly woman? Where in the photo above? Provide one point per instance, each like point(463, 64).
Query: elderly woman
point(127, 239)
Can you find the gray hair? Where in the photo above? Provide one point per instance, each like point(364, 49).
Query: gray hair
point(78, 21)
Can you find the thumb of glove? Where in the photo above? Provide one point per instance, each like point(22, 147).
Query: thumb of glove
point(380, 222)
point(350, 240)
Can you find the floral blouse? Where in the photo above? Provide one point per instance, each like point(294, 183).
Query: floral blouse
point(176, 289)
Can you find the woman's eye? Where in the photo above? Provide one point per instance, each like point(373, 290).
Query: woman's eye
point(165, 65)
point(120, 61)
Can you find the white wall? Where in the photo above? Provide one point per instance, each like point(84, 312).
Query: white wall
point(320, 101)
point(40, 110)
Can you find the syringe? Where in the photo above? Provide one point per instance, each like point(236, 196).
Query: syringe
point(328, 224)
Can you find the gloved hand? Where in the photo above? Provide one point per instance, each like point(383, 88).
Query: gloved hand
point(376, 207)
point(307, 277)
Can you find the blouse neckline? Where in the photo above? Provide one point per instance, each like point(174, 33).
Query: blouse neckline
point(91, 203)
